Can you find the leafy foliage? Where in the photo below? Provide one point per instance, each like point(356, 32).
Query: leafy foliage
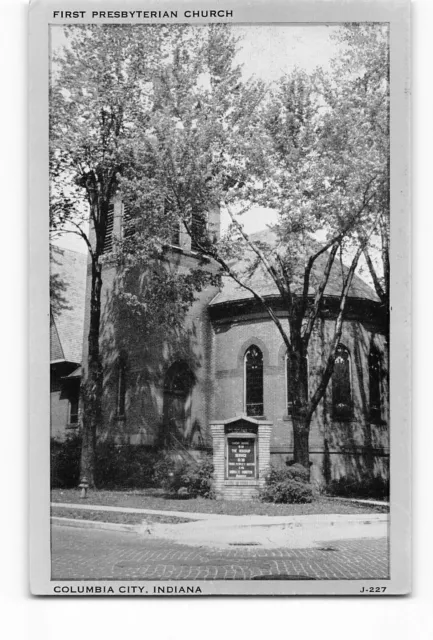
point(349, 487)
point(125, 466)
point(185, 479)
point(118, 466)
point(289, 486)
point(65, 462)
point(58, 289)
point(168, 124)
point(111, 92)
point(315, 150)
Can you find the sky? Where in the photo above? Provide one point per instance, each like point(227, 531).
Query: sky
point(268, 52)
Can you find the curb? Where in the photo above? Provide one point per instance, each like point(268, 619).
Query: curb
point(374, 503)
point(94, 524)
point(151, 512)
point(292, 522)
point(244, 520)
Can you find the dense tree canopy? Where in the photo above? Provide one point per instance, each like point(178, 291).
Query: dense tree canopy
point(314, 148)
point(169, 124)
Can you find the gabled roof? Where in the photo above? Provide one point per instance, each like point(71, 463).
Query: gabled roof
point(56, 351)
point(261, 282)
point(66, 331)
point(244, 418)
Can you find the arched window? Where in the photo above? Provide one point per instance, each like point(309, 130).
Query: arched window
point(290, 404)
point(374, 372)
point(178, 384)
point(121, 388)
point(341, 385)
point(254, 381)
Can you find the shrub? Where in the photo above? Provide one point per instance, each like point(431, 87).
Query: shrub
point(289, 486)
point(349, 487)
point(185, 479)
point(125, 466)
point(131, 467)
point(65, 462)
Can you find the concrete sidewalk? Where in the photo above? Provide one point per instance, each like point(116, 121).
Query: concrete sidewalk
point(246, 520)
point(222, 531)
point(271, 532)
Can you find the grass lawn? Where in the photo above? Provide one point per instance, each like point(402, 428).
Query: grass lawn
point(155, 499)
point(113, 516)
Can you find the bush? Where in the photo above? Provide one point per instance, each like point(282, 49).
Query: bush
point(289, 486)
point(65, 462)
point(131, 467)
point(125, 466)
point(185, 479)
point(349, 487)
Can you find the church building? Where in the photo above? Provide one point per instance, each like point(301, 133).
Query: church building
point(68, 268)
point(230, 360)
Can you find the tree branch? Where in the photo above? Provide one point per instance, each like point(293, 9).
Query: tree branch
point(377, 286)
point(319, 295)
point(326, 376)
point(337, 238)
point(268, 266)
point(82, 235)
point(212, 253)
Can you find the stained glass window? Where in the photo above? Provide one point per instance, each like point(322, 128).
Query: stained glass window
point(341, 385)
point(254, 381)
point(374, 370)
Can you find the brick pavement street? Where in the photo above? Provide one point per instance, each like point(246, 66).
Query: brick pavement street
point(90, 554)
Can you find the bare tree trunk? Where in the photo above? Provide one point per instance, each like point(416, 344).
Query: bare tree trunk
point(301, 449)
point(298, 392)
point(92, 388)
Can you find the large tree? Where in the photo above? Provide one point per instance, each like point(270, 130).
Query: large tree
point(313, 156)
point(186, 133)
point(107, 96)
point(361, 74)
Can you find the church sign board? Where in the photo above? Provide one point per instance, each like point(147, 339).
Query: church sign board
point(241, 458)
point(241, 452)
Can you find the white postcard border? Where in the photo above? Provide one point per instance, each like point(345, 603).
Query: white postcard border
point(397, 14)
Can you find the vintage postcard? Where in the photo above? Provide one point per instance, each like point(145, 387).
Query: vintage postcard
point(220, 298)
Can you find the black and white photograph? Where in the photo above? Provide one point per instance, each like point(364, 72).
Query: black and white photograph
point(220, 244)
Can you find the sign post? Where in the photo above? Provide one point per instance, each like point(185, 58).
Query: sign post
point(241, 452)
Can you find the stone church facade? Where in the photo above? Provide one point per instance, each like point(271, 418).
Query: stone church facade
point(230, 360)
